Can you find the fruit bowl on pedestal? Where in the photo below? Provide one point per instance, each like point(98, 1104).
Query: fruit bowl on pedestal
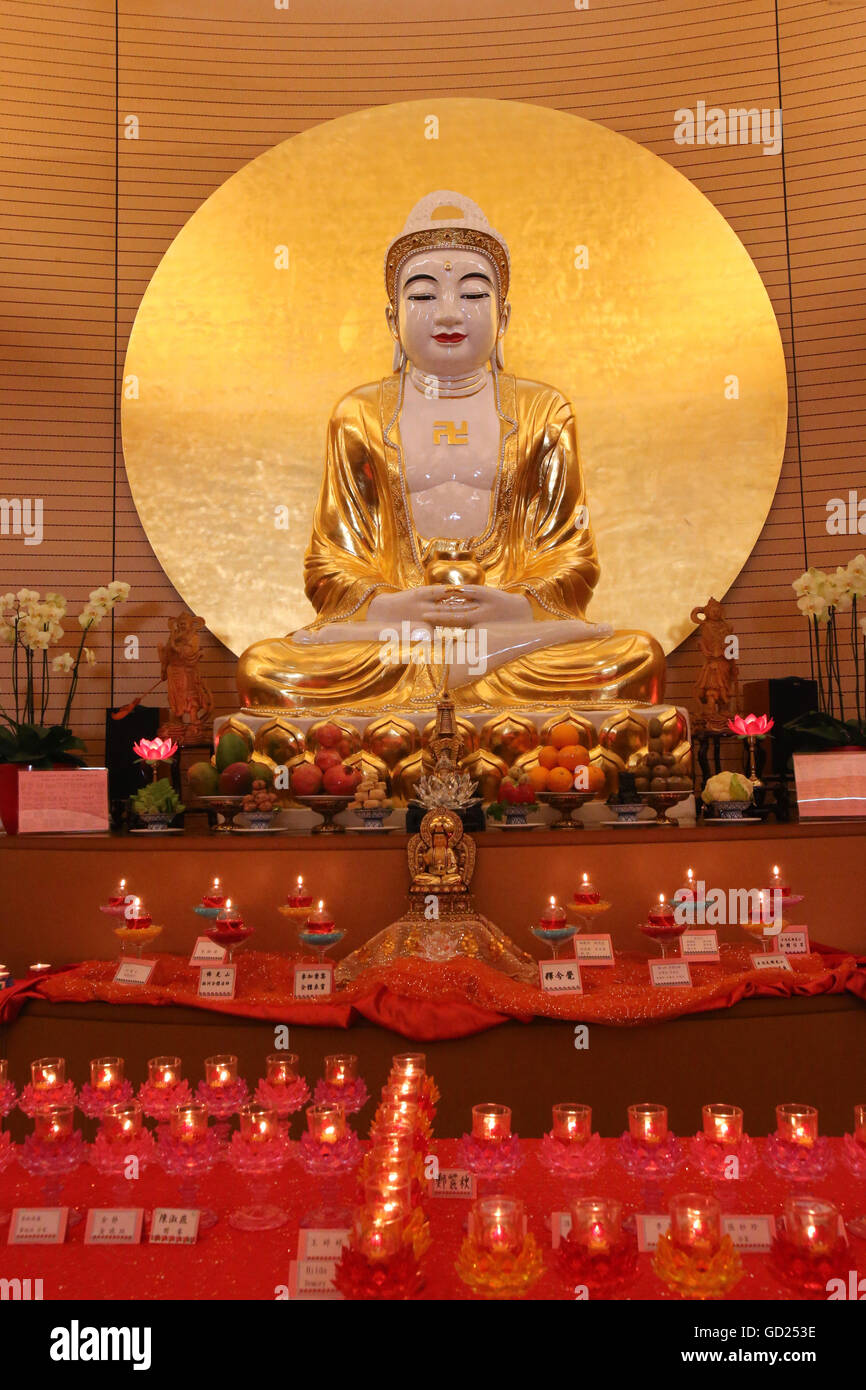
point(565, 803)
point(327, 807)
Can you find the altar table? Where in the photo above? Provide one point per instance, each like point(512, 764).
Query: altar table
point(231, 1264)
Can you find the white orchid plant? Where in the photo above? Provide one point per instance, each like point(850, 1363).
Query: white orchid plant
point(32, 625)
point(826, 599)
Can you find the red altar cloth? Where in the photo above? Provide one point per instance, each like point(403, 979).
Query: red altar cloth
point(227, 1263)
point(428, 1000)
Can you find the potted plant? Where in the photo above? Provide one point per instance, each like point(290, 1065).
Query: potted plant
point(830, 602)
point(31, 626)
point(157, 804)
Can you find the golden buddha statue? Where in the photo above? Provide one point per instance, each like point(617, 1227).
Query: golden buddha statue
point(452, 501)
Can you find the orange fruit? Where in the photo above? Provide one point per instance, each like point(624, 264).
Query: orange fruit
point(596, 779)
point(564, 734)
point(539, 777)
point(560, 779)
point(572, 756)
point(547, 756)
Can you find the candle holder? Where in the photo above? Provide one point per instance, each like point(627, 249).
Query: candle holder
point(491, 1150)
point(222, 1090)
point(398, 1110)
point(212, 901)
point(378, 1264)
point(53, 1151)
point(298, 902)
point(661, 926)
point(570, 1147)
point(320, 942)
point(282, 1088)
point(854, 1155)
point(342, 1084)
point(8, 1091)
point(107, 1086)
point(134, 939)
point(188, 1150)
point(164, 1090)
point(47, 1087)
point(597, 1253)
point(722, 1140)
point(695, 1276)
point(118, 901)
point(260, 1150)
point(499, 1259)
point(809, 1250)
point(120, 1138)
point(647, 1149)
point(328, 1148)
point(796, 1150)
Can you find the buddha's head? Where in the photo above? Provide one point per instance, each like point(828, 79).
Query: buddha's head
point(447, 279)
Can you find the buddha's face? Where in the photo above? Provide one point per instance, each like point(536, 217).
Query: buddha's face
point(447, 318)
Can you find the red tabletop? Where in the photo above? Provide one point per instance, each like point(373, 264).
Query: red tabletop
point(232, 1264)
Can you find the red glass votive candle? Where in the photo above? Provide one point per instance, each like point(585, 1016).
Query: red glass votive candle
point(496, 1224)
point(221, 1070)
point(281, 1068)
point(163, 1072)
point(39, 967)
point(388, 1169)
point(777, 885)
point(390, 1198)
point(859, 1121)
point(587, 893)
point(723, 1124)
point(122, 1121)
point(214, 897)
point(648, 1123)
point(409, 1064)
point(394, 1099)
point(137, 916)
point(319, 921)
point(326, 1123)
point(299, 897)
point(189, 1122)
point(491, 1123)
point(553, 916)
point(394, 1142)
point(377, 1236)
point(696, 1223)
point(404, 1087)
point(797, 1124)
point(398, 1112)
point(572, 1124)
point(106, 1072)
point(118, 896)
point(811, 1224)
point(661, 913)
point(47, 1072)
point(341, 1069)
point(258, 1124)
point(230, 916)
point(596, 1223)
point(53, 1125)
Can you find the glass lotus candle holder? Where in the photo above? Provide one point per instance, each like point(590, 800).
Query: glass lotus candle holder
point(222, 1091)
point(52, 1151)
point(378, 1264)
point(329, 1147)
point(693, 1258)
point(597, 1252)
point(722, 1149)
point(326, 1123)
point(796, 1150)
point(809, 1249)
point(164, 1088)
point(107, 1086)
point(48, 1086)
point(647, 1148)
point(54, 1125)
point(282, 1087)
point(188, 1149)
point(499, 1259)
point(342, 1083)
point(260, 1150)
point(122, 1121)
point(570, 1147)
point(854, 1158)
point(491, 1150)
point(8, 1091)
point(121, 1136)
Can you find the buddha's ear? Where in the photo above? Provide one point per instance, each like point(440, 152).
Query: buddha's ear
point(399, 355)
point(504, 317)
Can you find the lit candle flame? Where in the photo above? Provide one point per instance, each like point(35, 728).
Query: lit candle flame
point(321, 904)
point(300, 882)
point(690, 875)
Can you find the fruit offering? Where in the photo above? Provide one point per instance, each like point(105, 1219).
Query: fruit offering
point(327, 775)
point(260, 800)
point(371, 794)
point(656, 772)
point(517, 788)
point(563, 764)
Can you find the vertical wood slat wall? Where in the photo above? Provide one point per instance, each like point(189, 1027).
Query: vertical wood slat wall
point(215, 82)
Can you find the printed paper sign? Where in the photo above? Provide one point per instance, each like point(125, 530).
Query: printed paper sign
point(205, 951)
point(134, 972)
point(595, 949)
point(453, 1182)
point(314, 981)
point(312, 1279)
point(794, 941)
point(753, 1233)
point(114, 1226)
point(560, 977)
point(38, 1226)
point(174, 1226)
point(217, 981)
point(664, 973)
point(560, 1226)
point(700, 945)
point(771, 962)
point(60, 801)
point(649, 1227)
point(321, 1244)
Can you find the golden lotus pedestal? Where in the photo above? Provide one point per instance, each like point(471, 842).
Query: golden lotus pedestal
point(396, 746)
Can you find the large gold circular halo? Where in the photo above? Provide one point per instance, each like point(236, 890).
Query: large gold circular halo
point(630, 293)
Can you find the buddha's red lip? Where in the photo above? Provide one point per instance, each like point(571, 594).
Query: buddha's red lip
point(449, 337)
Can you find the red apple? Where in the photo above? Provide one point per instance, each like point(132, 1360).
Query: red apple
point(306, 780)
point(327, 757)
point(341, 780)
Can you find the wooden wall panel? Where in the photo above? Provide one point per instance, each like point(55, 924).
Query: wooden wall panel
point(216, 82)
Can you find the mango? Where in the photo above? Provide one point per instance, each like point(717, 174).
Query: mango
point(260, 771)
point(202, 779)
point(231, 749)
